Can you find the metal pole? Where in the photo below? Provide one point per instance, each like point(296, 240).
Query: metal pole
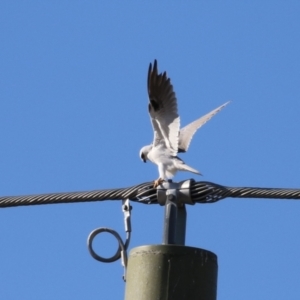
point(174, 218)
point(181, 225)
point(170, 219)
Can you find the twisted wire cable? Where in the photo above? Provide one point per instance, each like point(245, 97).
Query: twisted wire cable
point(208, 192)
point(201, 192)
point(132, 193)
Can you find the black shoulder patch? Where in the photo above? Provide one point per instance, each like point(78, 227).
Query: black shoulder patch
point(177, 158)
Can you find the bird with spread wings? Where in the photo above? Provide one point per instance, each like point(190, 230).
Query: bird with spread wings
point(169, 139)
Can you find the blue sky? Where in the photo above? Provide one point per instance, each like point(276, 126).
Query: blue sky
point(74, 116)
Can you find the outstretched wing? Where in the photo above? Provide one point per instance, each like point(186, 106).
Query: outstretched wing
point(163, 109)
point(187, 132)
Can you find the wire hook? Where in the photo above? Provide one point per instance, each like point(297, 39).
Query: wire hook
point(122, 249)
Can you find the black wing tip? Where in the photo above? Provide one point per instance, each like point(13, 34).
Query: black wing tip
point(152, 72)
point(154, 78)
point(154, 66)
point(154, 69)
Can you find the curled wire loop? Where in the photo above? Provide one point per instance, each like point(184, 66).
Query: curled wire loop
point(121, 251)
point(122, 248)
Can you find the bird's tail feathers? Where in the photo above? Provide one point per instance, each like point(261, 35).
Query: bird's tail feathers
point(184, 167)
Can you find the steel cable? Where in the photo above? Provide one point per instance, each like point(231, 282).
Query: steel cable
point(201, 192)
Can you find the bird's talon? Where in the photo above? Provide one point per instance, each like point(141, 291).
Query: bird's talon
point(158, 182)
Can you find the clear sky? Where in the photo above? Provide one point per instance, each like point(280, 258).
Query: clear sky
point(73, 105)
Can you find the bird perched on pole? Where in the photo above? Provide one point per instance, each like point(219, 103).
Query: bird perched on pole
point(169, 139)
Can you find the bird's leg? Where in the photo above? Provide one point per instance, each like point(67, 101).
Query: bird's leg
point(157, 182)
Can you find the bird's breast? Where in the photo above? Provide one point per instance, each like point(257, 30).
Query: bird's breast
point(159, 154)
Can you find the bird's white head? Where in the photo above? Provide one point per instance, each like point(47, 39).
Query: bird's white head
point(144, 153)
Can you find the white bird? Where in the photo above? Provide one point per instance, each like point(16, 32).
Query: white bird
point(169, 139)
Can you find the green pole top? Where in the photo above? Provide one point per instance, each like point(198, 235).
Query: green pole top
point(171, 272)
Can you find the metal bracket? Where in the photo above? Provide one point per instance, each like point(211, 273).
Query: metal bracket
point(174, 196)
point(183, 192)
point(122, 249)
